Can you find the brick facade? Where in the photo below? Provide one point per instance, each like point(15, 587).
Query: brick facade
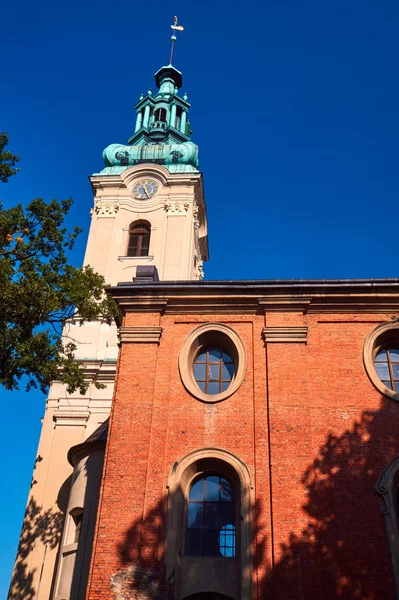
point(311, 428)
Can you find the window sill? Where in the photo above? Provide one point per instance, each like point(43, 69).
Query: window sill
point(134, 258)
point(69, 548)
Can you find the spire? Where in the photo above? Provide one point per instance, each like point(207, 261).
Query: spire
point(175, 27)
point(161, 121)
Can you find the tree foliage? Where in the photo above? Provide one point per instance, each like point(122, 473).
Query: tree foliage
point(7, 159)
point(39, 291)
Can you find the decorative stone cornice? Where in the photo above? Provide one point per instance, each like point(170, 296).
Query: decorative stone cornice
point(71, 417)
point(176, 208)
point(253, 297)
point(140, 335)
point(106, 209)
point(284, 334)
point(99, 370)
point(284, 303)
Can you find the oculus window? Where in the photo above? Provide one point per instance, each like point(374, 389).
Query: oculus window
point(211, 518)
point(387, 366)
point(381, 358)
point(212, 362)
point(213, 370)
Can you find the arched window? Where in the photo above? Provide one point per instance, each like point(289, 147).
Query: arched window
point(160, 115)
point(387, 486)
point(179, 111)
point(211, 518)
point(139, 239)
point(209, 526)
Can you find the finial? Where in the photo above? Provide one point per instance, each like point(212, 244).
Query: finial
point(149, 92)
point(141, 96)
point(185, 97)
point(175, 27)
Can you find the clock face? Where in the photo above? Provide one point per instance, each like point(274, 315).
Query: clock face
point(146, 188)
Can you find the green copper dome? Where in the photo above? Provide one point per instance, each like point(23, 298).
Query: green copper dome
point(162, 132)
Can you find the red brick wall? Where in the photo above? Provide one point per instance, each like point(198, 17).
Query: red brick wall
point(308, 423)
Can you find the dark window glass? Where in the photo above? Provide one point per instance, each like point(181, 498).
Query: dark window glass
point(214, 370)
point(211, 521)
point(77, 517)
point(139, 240)
point(387, 367)
point(160, 115)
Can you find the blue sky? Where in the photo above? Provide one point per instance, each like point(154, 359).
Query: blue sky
point(294, 109)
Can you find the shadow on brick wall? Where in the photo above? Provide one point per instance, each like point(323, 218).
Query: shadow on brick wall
point(341, 553)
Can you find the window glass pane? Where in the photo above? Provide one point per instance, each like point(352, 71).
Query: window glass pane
point(225, 385)
point(394, 354)
point(388, 384)
point(382, 355)
point(395, 370)
point(201, 357)
point(226, 358)
point(227, 541)
point(214, 354)
point(197, 491)
point(211, 543)
point(213, 387)
point(227, 371)
point(382, 370)
point(195, 514)
point(193, 542)
point(226, 513)
point(211, 515)
point(228, 552)
point(199, 372)
point(201, 385)
point(212, 488)
point(226, 491)
point(396, 384)
point(214, 372)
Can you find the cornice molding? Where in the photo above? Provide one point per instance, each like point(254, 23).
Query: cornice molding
point(71, 417)
point(230, 301)
point(140, 335)
point(285, 303)
point(99, 370)
point(285, 334)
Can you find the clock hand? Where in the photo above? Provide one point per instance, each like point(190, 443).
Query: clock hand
point(145, 189)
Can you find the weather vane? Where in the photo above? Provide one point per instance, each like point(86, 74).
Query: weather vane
point(175, 27)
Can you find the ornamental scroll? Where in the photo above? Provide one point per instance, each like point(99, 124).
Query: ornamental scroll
point(176, 208)
point(105, 209)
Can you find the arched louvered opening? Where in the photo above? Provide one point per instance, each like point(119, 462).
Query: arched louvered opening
point(160, 115)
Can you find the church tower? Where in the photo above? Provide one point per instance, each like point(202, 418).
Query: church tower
point(149, 207)
point(148, 224)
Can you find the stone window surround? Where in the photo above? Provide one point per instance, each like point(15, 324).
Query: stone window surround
point(381, 335)
point(387, 485)
point(201, 337)
point(183, 473)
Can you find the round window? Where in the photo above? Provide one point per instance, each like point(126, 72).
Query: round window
point(381, 358)
point(212, 362)
point(213, 370)
point(387, 366)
